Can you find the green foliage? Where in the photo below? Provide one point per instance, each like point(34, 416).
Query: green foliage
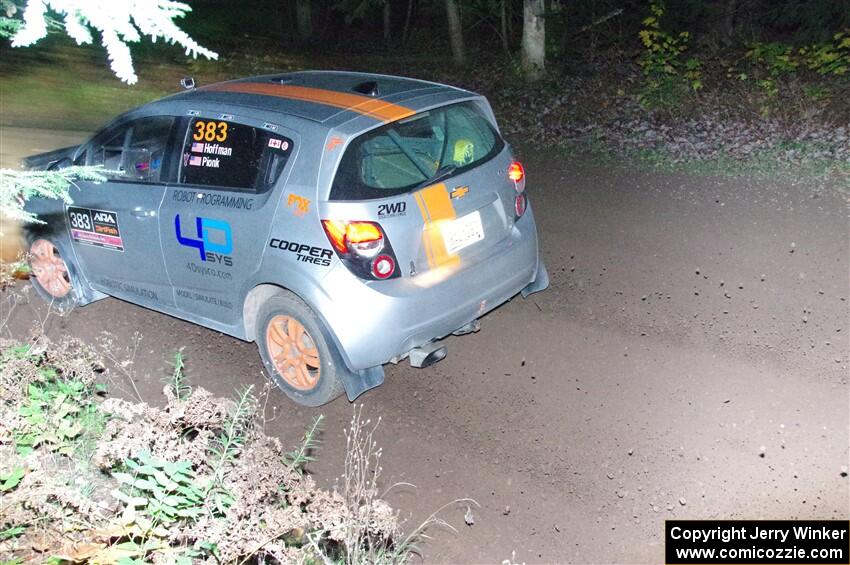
point(10, 480)
point(177, 383)
point(23, 351)
point(228, 443)
point(16, 187)
point(226, 446)
point(157, 493)
point(667, 72)
point(830, 58)
point(773, 65)
point(775, 60)
point(8, 27)
point(12, 532)
point(9, 24)
point(297, 458)
point(57, 414)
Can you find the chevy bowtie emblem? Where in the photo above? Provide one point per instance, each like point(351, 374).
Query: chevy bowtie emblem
point(460, 191)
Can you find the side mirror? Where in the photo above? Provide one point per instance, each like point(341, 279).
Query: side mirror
point(62, 163)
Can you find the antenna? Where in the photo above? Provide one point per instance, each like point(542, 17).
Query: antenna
point(187, 82)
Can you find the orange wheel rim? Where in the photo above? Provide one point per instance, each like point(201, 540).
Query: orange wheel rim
point(293, 352)
point(49, 269)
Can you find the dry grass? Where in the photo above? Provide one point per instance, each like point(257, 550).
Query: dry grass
point(195, 480)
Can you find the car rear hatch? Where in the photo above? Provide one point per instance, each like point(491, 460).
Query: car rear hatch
point(437, 186)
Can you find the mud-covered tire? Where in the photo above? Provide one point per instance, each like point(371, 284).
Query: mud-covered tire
point(52, 275)
point(296, 351)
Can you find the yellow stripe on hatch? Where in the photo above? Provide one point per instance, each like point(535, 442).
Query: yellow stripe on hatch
point(436, 208)
point(426, 241)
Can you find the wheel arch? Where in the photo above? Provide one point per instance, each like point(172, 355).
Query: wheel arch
point(355, 382)
point(261, 292)
point(82, 290)
point(252, 303)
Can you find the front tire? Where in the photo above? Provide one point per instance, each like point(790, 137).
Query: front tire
point(296, 351)
point(51, 276)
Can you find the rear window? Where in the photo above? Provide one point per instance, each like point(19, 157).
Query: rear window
point(230, 155)
point(415, 152)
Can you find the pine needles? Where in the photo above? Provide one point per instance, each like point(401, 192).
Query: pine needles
point(16, 187)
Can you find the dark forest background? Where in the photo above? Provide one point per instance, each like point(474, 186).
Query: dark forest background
point(696, 81)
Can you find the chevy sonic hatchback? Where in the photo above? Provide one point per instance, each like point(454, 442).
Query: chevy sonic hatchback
point(340, 220)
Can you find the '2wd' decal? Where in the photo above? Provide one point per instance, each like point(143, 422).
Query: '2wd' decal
point(95, 227)
point(392, 209)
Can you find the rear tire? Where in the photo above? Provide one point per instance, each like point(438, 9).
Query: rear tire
point(297, 352)
point(51, 275)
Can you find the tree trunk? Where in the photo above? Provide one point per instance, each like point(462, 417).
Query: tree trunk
point(455, 33)
point(533, 38)
point(303, 19)
point(730, 7)
point(406, 33)
point(387, 20)
point(503, 15)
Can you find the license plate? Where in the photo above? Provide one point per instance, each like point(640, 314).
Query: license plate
point(463, 232)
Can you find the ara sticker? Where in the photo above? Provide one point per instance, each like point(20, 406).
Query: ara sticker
point(301, 205)
point(95, 227)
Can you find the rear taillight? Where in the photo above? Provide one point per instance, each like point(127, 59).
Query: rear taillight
point(520, 205)
point(363, 248)
point(383, 267)
point(517, 174)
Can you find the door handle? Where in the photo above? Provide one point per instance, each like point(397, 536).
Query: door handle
point(142, 213)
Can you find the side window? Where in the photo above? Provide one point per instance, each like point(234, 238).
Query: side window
point(229, 155)
point(134, 151)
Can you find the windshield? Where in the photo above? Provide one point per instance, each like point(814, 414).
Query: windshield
point(415, 152)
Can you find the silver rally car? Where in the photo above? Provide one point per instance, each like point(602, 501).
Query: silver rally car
point(340, 220)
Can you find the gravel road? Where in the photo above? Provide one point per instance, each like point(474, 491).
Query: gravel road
point(690, 360)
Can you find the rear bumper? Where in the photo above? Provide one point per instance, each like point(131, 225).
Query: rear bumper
point(375, 323)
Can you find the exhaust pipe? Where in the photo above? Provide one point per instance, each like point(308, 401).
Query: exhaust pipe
point(427, 355)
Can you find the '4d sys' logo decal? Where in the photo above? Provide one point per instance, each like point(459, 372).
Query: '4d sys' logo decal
point(209, 234)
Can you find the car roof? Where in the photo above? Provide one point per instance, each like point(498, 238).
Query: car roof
point(327, 97)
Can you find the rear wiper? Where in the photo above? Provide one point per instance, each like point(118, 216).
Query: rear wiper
point(441, 174)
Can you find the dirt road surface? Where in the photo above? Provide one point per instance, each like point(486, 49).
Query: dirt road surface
point(690, 360)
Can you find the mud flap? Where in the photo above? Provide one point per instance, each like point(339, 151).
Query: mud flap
point(358, 382)
point(540, 282)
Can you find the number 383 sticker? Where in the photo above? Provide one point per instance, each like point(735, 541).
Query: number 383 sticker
point(95, 227)
point(210, 131)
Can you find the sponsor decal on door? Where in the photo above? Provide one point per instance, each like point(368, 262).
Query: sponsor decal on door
point(213, 239)
point(95, 227)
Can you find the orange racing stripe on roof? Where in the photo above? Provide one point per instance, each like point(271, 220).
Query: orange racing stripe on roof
point(377, 109)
